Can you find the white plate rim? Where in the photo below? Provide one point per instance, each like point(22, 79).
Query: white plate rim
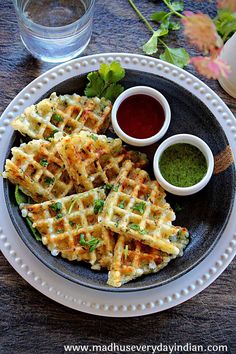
point(95, 301)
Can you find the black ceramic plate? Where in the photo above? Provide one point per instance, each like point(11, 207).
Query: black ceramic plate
point(205, 214)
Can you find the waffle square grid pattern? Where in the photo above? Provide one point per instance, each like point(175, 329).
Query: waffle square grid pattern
point(62, 222)
point(138, 208)
point(118, 219)
point(68, 113)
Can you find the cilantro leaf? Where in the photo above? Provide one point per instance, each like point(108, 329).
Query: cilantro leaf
point(92, 243)
point(56, 207)
point(57, 117)
point(111, 73)
point(225, 22)
point(95, 85)
point(174, 26)
point(49, 180)
point(103, 83)
point(98, 205)
point(136, 227)
point(140, 207)
point(159, 16)
point(150, 47)
point(22, 198)
point(122, 204)
point(113, 91)
point(43, 162)
point(34, 231)
point(176, 56)
point(177, 6)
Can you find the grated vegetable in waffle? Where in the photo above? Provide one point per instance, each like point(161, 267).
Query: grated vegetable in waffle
point(68, 113)
point(94, 160)
point(138, 208)
point(133, 259)
point(69, 226)
point(38, 170)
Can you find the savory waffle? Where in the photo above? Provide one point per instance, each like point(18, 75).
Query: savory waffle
point(137, 207)
point(39, 171)
point(133, 259)
point(68, 113)
point(94, 160)
point(69, 226)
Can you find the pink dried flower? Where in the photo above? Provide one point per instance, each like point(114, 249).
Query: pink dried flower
point(201, 31)
point(212, 68)
point(227, 4)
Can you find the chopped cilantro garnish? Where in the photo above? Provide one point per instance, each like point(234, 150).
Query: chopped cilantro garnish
point(140, 207)
point(98, 205)
point(49, 180)
point(60, 231)
point(57, 117)
point(126, 251)
point(92, 243)
point(51, 136)
point(94, 137)
point(56, 207)
point(115, 187)
point(136, 227)
point(122, 204)
point(108, 187)
point(117, 224)
point(44, 162)
point(59, 216)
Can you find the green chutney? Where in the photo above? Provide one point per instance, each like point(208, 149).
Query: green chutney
point(183, 165)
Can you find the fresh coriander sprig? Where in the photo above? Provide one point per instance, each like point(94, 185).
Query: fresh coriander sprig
point(176, 56)
point(104, 82)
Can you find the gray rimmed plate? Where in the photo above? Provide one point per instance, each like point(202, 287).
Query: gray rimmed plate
point(204, 214)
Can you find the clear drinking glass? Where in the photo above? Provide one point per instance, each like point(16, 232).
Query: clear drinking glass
point(55, 30)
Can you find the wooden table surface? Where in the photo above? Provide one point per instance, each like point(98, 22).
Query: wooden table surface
point(32, 323)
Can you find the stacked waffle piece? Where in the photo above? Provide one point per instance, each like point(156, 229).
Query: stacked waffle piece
point(94, 200)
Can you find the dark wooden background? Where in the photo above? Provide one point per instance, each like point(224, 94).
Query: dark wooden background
point(32, 323)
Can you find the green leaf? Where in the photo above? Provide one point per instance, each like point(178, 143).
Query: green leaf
point(158, 16)
point(111, 73)
point(176, 56)
point(20, 196)
point(95, 85)
point(113, 91)
point(43, 162)
point(122, 204)
point(56, 206)
point(225, 22)
point(140, 207)
point(103, 83)
point(174, 26)
point(98, 205)
point(150, 47)
point(92, 243)
point(35, 232)
point(178, 6)
point(57, 117)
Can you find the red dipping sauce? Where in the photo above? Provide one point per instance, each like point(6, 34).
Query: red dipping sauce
point(140, 116)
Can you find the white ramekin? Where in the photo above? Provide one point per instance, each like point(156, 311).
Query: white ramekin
point(145, 90)
point(187, 139)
